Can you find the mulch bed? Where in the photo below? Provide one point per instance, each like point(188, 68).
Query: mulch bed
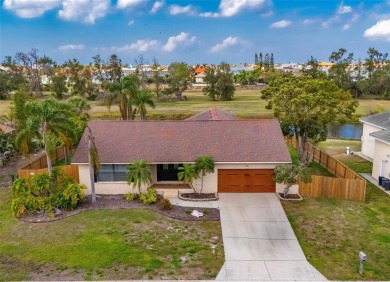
point(110, 202)
point(196, 196)
point(290, 196)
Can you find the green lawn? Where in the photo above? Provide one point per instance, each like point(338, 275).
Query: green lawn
point(332, 232)
point(108, 245)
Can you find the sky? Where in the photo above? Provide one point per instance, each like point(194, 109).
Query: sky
point(195, 32)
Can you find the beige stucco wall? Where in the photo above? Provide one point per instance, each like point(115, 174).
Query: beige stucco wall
point(210, 181)
point(368, 142)
point(382, 150)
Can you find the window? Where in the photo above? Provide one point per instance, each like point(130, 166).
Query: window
point(112, 172)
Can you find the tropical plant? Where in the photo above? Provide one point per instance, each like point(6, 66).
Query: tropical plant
point(150, 197)
point(130, 196)
point(138, 173)
point(203, 165)
point(44, 192)
point(93, 161)
point(188, 174)
point(289, 174)
point(165, 204)
point(48, 121)
point(140, 100)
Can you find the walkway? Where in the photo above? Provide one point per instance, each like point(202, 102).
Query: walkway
point(259, 242)
point(369, 177)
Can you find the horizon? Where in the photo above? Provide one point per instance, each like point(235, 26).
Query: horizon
point(194, 32)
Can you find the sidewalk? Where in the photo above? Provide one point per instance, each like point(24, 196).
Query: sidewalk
point(368, 177)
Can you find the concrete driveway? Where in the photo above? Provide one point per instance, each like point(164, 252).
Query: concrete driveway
point(259, 242)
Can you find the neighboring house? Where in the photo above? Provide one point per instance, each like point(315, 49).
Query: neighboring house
point(245, 152)
point(371, 124)
point(376, 143)
point(200, 77)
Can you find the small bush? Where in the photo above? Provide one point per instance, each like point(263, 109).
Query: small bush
point(130, 197)
point(165, 204)
point(149, 197)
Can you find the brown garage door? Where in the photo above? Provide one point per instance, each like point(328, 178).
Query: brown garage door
point(245, 181)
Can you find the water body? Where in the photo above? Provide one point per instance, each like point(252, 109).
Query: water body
point(345, 131)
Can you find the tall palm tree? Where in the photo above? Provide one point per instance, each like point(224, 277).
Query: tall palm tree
point(141, 99)
point(188, 174)
point(47, 121)
point(138, 173)
point(123, 92)
point(204, 164)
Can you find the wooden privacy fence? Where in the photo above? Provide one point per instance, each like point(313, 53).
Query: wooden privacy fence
point(41, 162)
point(69, 171)
point(330, 187)
point(347, 185)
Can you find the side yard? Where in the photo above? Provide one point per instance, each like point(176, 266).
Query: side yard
point(332, 232)
point(108, 245)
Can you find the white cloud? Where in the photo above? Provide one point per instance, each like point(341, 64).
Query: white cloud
point(209, 15)
point(280, 24)
point(381, 30)
point(346, 26)
point(123, 4)
point(131, 22)
point(142, 45)
point(267, 14)
point(30, 8)
point(176, 10)
point(230, 8)
point(181, 40)
point(84, 10)
point(307, 22)
point(230, 41)
point(156, 6)
point(332, 20)
point(349, 23)
point(342, 9)
point(71, 47)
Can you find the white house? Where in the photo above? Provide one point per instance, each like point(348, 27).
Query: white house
point(371, 124)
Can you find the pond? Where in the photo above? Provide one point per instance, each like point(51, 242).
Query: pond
point(345, 131)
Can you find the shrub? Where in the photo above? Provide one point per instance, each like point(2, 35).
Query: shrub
point(165, 204)
point(150, 197)
point(130, 197)
point(43, 192)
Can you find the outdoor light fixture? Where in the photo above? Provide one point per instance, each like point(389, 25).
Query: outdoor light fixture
point(362, 259)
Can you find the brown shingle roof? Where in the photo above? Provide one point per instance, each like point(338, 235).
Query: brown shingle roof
point(213, 114)
point(183, 141)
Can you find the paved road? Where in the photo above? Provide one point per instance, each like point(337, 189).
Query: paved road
point(259, 242)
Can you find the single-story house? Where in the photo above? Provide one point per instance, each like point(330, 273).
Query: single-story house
point(371, 124)
point(245, 153)
point(199, 78)
point(381, 159)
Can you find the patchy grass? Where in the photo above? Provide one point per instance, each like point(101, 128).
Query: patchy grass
point(108, 245)
point(332, 232)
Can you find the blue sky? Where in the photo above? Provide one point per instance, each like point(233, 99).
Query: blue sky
point(204, 31)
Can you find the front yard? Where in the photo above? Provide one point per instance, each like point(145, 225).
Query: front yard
point(108, 245)
point(332, 232)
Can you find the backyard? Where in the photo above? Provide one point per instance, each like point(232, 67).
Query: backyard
point(332, 232)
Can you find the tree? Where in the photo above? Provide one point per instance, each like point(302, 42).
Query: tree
point(289, 174)
point(340, 72)
point(30, 61)
point(6, 85)
point(225, 82)
point(123, 92)
point(256, 59)
point(80, 108)
point(188, 174)
point(375, 60)
point(266, 62)
point(211, 79)
point(307, 105)
point(113, 69)
point(93, 161)
point(261, 62)
point(271, 62)
point(138, 173)
point(312, 69)
point(47, 121)
point(58, 85)
point(156, 77)
point(179, 78)
point(204, 164)
point(140, 100)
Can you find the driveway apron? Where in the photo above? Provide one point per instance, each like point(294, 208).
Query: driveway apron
point(259, 242)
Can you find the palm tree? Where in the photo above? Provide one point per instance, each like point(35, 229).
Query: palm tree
point(94, 162)
point(123, 92)
point(138, 173)
point(140, 99)
point(188, 174)
point(204, 164)
point(49, 122)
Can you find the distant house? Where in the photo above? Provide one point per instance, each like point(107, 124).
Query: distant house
point(245, 152)
point(376, 142)
point(200, 77)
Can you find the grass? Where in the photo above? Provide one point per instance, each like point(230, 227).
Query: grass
point(332, 232)
point(108, 245)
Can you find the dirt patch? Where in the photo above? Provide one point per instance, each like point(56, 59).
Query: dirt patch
point(106, 202)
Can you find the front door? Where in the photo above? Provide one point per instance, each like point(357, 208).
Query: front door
point(168, 172)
